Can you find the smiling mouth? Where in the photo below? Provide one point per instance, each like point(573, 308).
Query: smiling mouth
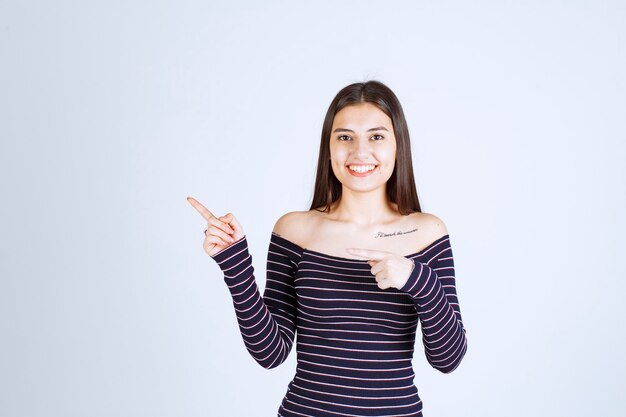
point(362, 169)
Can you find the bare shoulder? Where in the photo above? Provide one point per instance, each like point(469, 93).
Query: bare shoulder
point(294, 226)
point(430, 226)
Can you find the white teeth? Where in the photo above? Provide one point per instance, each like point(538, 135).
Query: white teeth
point(361, 168)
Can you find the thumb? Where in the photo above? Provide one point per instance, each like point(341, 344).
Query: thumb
point(227, 218)
point(232, 222)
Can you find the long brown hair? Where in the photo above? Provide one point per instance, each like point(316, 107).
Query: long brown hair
point(401, 185)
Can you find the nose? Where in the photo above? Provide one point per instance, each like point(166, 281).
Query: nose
point(361, 147)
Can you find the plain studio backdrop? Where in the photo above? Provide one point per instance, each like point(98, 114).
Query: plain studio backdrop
point(111, 114)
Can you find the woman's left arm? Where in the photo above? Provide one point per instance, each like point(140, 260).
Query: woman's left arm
point(431, 285)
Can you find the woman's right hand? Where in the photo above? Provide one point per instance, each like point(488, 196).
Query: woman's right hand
point(221, 231)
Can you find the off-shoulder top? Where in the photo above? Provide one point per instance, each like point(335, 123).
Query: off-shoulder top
point(354, 341)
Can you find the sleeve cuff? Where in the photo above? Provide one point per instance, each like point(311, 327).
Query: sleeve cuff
point(417, 280)
point(231, 257)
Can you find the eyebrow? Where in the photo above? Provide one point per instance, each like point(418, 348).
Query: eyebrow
point(341, 129)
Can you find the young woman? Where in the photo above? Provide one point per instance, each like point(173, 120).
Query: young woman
point(353, 275)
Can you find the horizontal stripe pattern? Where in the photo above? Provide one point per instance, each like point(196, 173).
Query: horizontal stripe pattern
point(355, 341)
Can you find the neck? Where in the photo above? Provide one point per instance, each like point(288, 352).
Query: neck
point(364, 209)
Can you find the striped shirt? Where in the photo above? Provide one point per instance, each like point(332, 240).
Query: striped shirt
point(355, 341)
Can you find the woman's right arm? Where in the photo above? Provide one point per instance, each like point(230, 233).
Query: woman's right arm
point(268, 323)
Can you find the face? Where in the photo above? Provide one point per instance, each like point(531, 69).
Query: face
point(362, 147)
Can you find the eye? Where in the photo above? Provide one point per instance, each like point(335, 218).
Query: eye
point(343, 136)
point(378, 136)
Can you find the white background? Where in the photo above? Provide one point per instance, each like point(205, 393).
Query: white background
point(111, 113)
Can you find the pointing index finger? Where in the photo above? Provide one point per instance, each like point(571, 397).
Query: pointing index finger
point(201, 209)
point(368, 253)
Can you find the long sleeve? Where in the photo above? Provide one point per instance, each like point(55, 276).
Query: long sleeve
point(267, 324)
point(431, 286)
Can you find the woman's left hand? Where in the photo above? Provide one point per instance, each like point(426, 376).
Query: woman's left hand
point(390, 269)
